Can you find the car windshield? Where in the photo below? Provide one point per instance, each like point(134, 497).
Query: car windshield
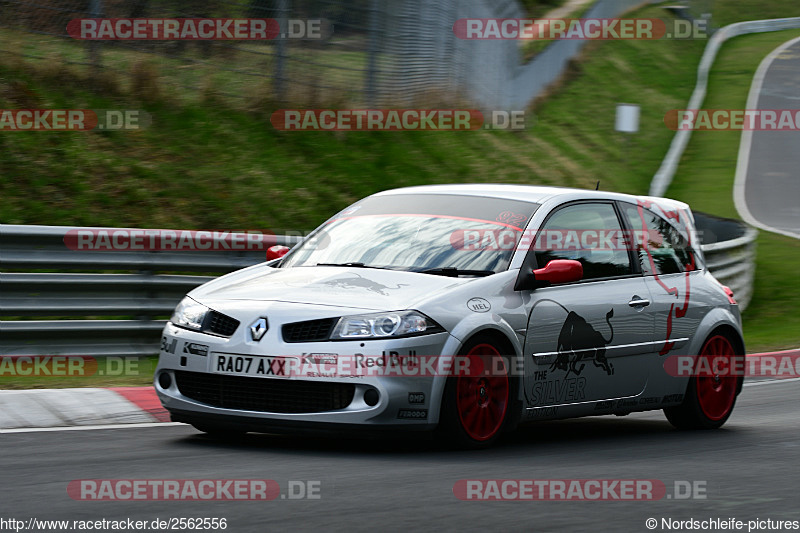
point(444, 234)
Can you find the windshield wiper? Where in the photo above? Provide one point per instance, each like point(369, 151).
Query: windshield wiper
point(349, 264)
point(455, 272)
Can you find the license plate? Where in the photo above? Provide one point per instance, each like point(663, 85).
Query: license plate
point(251, 365)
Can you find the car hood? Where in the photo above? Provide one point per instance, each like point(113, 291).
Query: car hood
point(362, 288)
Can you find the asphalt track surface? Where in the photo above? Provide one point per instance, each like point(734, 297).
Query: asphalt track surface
point(771, 188)
point(750, 470)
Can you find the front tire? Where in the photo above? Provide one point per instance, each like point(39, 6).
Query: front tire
point(477, 403)
point(709, 399)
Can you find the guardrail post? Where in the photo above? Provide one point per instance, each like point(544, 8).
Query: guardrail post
point(151, 294)
point(279, 84)
point(370, 88)
point(95, 11)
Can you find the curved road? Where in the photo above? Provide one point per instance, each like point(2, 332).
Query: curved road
point(767, 188)
point(750, 470)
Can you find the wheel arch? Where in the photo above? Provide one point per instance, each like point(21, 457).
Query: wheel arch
point(497, 335)
point(497, 327)
point(717, 319)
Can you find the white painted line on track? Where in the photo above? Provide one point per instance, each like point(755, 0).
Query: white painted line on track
point(770, 382)
point(90, 428)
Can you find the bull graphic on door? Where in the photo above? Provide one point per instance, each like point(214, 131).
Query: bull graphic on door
point(578, 342)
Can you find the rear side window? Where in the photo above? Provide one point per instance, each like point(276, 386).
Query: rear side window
point(586, 232)
point(661, 248)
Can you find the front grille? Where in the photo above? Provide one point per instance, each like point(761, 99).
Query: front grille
point(220, 324)
point(309, 331)
point(265, 395)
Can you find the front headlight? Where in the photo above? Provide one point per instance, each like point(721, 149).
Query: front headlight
point(189, 314)
point(383, 325)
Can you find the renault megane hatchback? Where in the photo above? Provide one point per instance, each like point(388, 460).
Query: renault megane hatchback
point(465, 309)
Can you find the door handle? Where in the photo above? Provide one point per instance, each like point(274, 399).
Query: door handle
point(639, 302)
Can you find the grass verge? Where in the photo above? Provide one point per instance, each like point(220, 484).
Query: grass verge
point(83, 372)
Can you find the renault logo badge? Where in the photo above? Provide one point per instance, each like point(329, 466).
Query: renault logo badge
point(258, 329)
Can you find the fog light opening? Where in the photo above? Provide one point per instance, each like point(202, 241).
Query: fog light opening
point(371, 397)
point(164, 380)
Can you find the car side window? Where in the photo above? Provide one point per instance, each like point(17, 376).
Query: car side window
point(669, 250)
point(586, 232)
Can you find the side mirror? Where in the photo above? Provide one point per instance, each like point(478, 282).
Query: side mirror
point(276, 252)
point(560, 271)
point(555, 271)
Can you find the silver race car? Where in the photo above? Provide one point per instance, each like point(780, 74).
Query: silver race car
point(465, 309)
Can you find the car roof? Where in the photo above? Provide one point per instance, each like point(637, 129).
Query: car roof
point(529, 193)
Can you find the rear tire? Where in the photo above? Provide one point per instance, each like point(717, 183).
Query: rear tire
point(709, 399)
point(477, 404)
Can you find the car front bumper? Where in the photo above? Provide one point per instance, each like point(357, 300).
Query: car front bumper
point(405, 399)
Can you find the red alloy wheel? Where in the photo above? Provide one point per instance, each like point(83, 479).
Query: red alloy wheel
point(716, 394)
point(482, 397)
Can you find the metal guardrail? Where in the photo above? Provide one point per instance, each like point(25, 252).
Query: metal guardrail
point(123, 298)
point(729, 248)
point(101, 313)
